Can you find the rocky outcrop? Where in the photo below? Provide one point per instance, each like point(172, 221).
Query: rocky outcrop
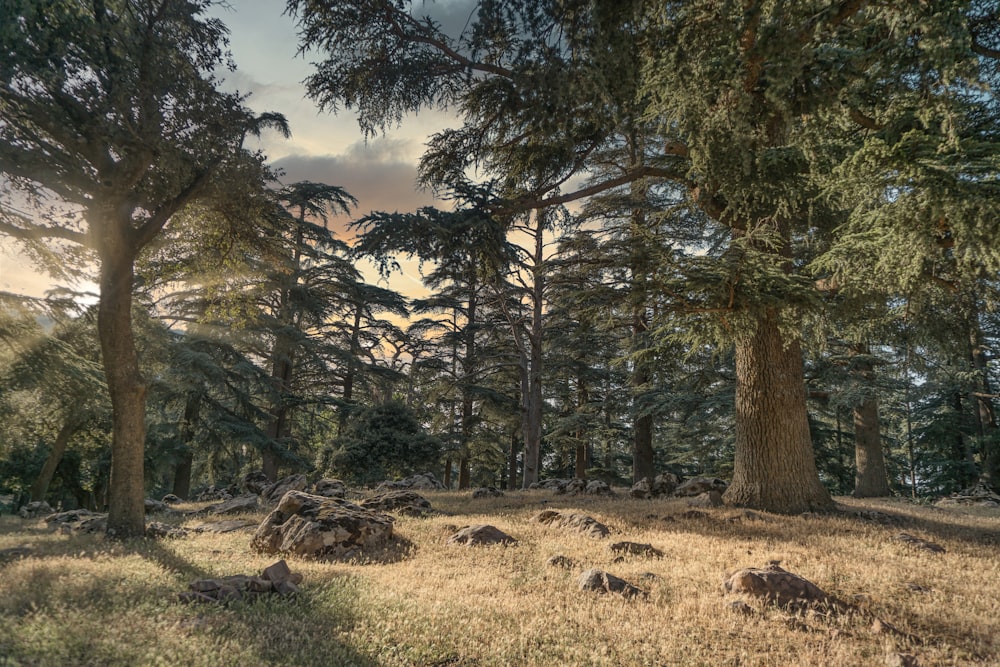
point(424, 481)
point(574, 487)
point(481, 535)
point(603, 582)
point(277, 579)
point(156, 506)
point(237, 505)
point(275, 492)
point(699, 485)
point(580, 523)
point(316, 527)
point(407, 503)
point(635, 549)
point(35, 510)
point(254, 482)
point(487, 492)
point(214, 493)
point(980, 495)
point(662, 485)
point(776, 585)
point(330, 488)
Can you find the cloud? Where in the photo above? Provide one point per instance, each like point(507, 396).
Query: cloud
point(382, 174)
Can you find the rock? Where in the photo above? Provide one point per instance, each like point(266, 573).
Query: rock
point(72, 516)
point(330, 488)
point(487, 492)
point(316, 527)
point(580, 523)
point(237, 505)
point(642, 489)
point(275, 492)
point(598, 488)
point(157, 529)
point(901, 660)
point(409, 503)
point(481, 535)
point(170, 499)
point(707, 499)
point(563, 562)
point(97, 523)
point(572, 487)
point(699, 485)
point(662, 485)
point(425, 481)
point(276, 579)
point(635, 549)
point(222, 526)
point(778, 586)
point(603, 582)
point(980, 495)
point(35, 509)
point(557, 485)
point(213, 493)
point(920, 543)
point(156, 506)
point(254, 482)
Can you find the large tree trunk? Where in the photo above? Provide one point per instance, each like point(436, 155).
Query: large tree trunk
point(127, 388)
point(774, 468)
point(870, 478)
point(41, 485)
point(643, 457)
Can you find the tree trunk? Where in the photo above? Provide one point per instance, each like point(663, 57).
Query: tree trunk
point(281, 374)
point(870, 478)
point(127, 389)
point(447, 473)
point(582, 461)
point(41, 485)
point(774, 468)
point(463, 471)
point(182, 475)
point(512, 476)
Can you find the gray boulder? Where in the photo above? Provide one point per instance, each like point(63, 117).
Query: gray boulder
point(699, 485)
point(275, 492)
point(316, 527)
point(708, 499)
point(424, 481)
point(662, 485)
point(237, 505)
point(330, 488)
point(603, 582)
point(487, 492)
point(580, 523)
point(35, 510)
point(409, 503)
point(481, 535)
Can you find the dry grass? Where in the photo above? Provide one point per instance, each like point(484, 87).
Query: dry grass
point(78, 600)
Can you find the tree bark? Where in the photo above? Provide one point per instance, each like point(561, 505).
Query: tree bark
point(774, 468)
point(870, 477)
point(988, 432)
point(126, 386)
point(41, 485)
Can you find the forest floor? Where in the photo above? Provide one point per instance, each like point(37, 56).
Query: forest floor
point(79, 599)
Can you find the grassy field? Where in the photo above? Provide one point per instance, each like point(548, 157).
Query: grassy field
point(81, 600)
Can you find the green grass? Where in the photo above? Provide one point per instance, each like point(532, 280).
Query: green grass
point(81, 600)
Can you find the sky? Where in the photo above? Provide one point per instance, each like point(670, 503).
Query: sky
point(380, 173)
